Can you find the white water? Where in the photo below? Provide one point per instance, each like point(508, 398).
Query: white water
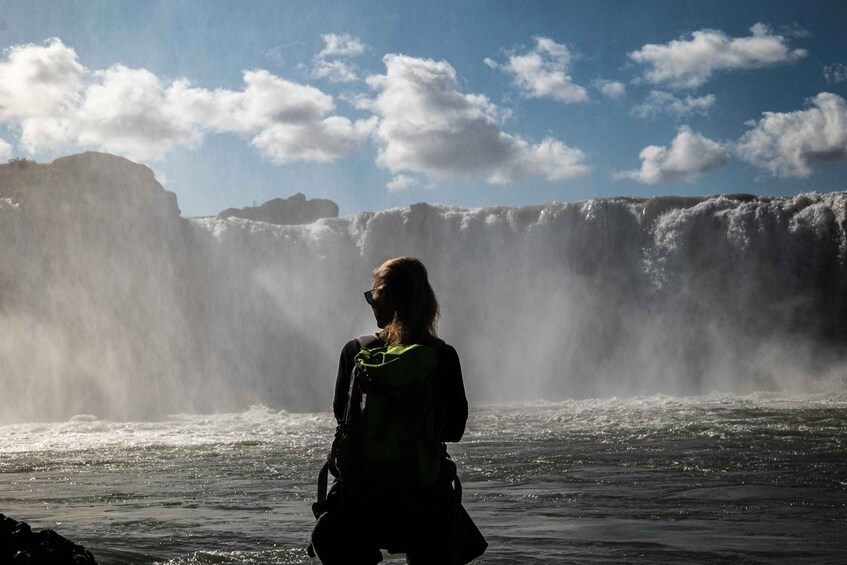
point(113, 305)
point(720, 479)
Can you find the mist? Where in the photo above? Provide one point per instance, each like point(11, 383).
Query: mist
point(113, 304)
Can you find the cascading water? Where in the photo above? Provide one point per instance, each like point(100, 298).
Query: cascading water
point(113, 304)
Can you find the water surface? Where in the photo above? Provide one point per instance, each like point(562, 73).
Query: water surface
point(753, 479)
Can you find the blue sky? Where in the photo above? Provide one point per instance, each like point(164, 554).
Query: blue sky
point(383, 104)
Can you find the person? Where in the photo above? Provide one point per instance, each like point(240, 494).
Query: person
point(357, 522)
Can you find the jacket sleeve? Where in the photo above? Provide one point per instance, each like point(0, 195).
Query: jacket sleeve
point(452, 395)
point(342, 379)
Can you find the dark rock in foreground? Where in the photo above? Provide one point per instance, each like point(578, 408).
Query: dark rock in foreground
point(286, 211)
point(19, 544)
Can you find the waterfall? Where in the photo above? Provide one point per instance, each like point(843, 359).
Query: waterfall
point(112, 303)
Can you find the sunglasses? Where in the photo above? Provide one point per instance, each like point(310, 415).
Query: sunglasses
point(369, 296)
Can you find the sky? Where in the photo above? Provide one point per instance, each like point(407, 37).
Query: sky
point(379, 105)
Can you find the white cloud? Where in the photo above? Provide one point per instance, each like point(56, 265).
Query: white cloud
point(658, 102)
point(689, 156)
point(58, 103)
point(341, 45)
point(428, 126)
point(130, 111)
point(401, 183)
point(359, 101)
point(334, 71)
point(327, 63)
point(689, 63)
point(609, 88)
point(5, 149)
point(323, 140)
point(835, 73)
point(39, 80)
point(269, 100)
point(795, 30)
point(543, 72)
point(791, 143)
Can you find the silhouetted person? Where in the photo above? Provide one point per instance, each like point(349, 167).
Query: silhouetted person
point(361, 518)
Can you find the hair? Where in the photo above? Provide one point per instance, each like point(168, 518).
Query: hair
point(404, 282)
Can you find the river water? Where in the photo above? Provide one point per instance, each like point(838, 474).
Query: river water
point(722, 479)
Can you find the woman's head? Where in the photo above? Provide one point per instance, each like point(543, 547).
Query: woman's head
point(404, 305)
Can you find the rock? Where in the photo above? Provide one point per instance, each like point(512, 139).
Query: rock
point(286, 211)
point(99, 183)
point(88, 240)
point(19, 544)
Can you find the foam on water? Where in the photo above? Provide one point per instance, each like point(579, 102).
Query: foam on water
point(643, 480)
point(258, 424)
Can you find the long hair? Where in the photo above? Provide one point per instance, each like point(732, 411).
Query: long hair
point(404, 282)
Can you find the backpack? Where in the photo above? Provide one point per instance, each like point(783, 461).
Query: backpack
point(388, 437)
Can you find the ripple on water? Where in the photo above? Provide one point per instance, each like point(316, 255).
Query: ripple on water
point(648, 480)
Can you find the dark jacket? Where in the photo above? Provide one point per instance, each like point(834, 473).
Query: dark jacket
point(451, 404)
point(417, 522)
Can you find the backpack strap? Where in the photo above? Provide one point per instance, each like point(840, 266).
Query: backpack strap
point(319, 507)
point(323, 478)
point(365, 342)
point(368, 341)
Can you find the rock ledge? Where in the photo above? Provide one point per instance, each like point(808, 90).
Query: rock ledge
point(286, 211)
point(20, 545)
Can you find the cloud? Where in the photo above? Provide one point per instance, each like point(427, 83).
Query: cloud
point(609, 88)
point(789, 144)
point(658, 102)
point(835, 73)
point(327, 64)
point(689, 156)
point(795, 30)
point(341, 45)
point(322, 141)
point(426, 125)
point(56, 103)
point(334, 71)
point(689, 63)
point(543, 72)
point(39, 80)
point(5, 149)
point(401, 183)
point(270, 100)
point(127, 111)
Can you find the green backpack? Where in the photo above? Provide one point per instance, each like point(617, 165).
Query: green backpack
point(388, 438)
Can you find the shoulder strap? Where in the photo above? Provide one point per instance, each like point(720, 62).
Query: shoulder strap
point(365, 342)
point(368, 341)
point(373, 340)
point(323, 479)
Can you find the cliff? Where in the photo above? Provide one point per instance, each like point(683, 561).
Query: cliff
point(286, 211)
point(97, 286)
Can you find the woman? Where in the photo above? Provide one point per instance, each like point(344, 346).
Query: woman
point(358, 521)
